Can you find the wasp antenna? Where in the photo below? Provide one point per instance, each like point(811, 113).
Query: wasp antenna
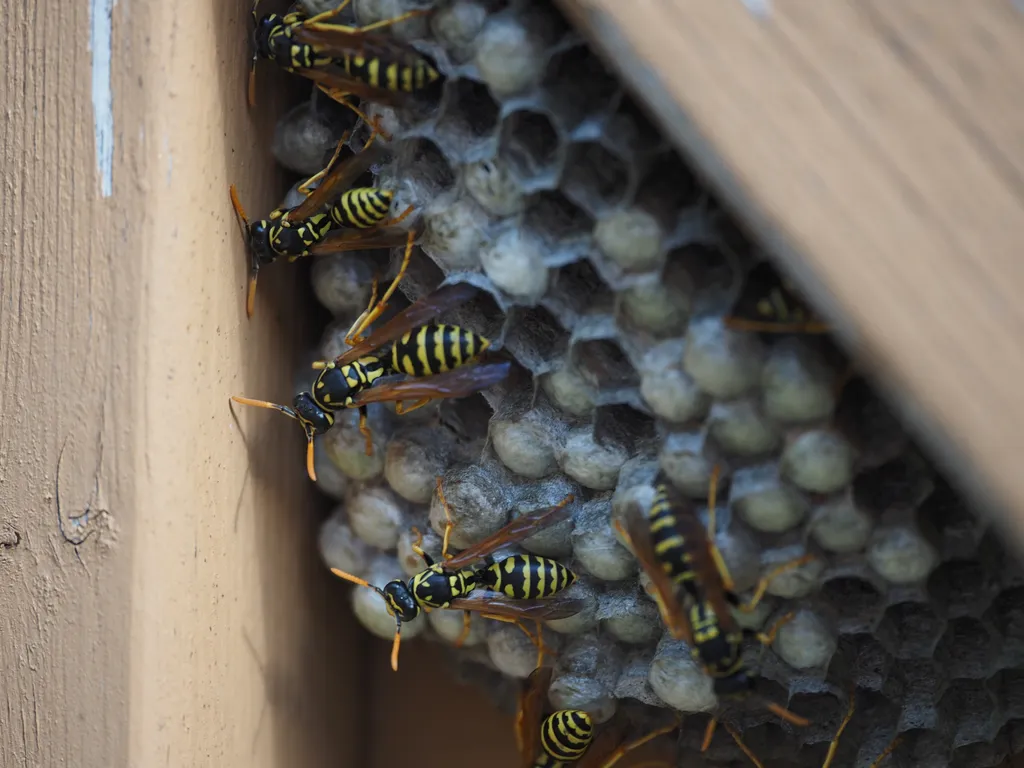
point(250, 294)
point(310, 469)
point(265, 404)
point(395, 646)
point(354, 579)
point(785, 714)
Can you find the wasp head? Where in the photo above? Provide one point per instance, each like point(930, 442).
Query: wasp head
point(401, 604)
point(265, 30)
point(314, 419)
point(259, 243)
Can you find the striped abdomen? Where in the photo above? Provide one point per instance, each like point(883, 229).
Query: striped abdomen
point(414, 75)
point(527, 577)
point(335, 387)
point(436, 348)
point(436, 588)
point(362, 207)
point(720, 652)
point(564, 737)
point(669, 544)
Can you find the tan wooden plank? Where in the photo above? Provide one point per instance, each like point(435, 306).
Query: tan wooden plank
point(873, 196)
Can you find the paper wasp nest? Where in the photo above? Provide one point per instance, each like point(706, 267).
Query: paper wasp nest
point(606, 270)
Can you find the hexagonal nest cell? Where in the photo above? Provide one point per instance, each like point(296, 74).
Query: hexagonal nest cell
point(534, 167)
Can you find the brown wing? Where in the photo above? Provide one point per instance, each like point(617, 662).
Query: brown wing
point(423, 311)
point(530, 714)
point(335, 79)
point(339, 177)
point(712, 584)
point(517, 530)
point(496, 604)
point(349, 239)
point(458, 383)
point(339, 40)
point(637, 530)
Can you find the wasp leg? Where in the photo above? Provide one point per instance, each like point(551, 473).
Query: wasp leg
point(388, 22)
point(304, 187)
point(366, 319)
point(716, 555)
point(342, 98)
point(537, 641)
point(401, 408)
point(398, 219)
point(886, 752)
point(364, 430)
point(353, 337)
point(628, 747)
point(834, 744)
point(323, 15)
point(464, 635)
point(762, 585)
point(743, 747)
point(448, 522)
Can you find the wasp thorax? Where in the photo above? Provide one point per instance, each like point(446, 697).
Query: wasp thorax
point(400, 601)
point(312, 416)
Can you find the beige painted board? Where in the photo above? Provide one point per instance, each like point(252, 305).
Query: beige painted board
point(875, 148)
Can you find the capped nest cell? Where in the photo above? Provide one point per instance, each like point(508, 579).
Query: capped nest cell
point(606, 272)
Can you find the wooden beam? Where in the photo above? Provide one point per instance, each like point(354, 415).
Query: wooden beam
point(879, 152)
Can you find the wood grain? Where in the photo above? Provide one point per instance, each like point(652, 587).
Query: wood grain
point(133, 568)
point(876, 149)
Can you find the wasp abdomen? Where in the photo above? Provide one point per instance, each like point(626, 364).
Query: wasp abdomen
point(527, 577)
point(565, 736)
point(362, 207)
point(669, 544)
point(414, 75)
point(436, 348)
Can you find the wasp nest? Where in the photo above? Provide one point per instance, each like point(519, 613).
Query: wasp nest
point(605, 271)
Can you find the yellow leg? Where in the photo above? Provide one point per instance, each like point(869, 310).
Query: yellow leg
point(305, 187)
point(762, 585)
point(743, 747)
point(398, 219)
point(367, 318)
point(341, 97)
point(388, 22)
point(364, 430)
point(723, 569)
point(354, 336)
point(767, 638)
point(401, 408)
point(323, 15)
point(886, 752)
point(537, 641)
point(834, 744)
point(417, 546)
point(464, 635)
point(448, 522)
point(624, 749)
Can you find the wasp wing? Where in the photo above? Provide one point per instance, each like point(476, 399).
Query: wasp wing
point(702, 559)
point(517, 530)
point(421, 312)
point(341, 175)
point(496, 604)
point(637, 530)
point(348, 239)
point(458, 383)
point(529, 715)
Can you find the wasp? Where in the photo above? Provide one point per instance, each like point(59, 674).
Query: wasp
point(567, 737)
point(768, 303)
point(344, 60)
point(358, 217)
point(676, 551)
point(515, 588)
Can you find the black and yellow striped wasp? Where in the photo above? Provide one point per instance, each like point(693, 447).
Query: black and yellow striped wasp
point(356, 219)
point(676, 551)
point(351, 381)
point(343, 60)
point(513, 589)
point(768, 303)
point(568, 737)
